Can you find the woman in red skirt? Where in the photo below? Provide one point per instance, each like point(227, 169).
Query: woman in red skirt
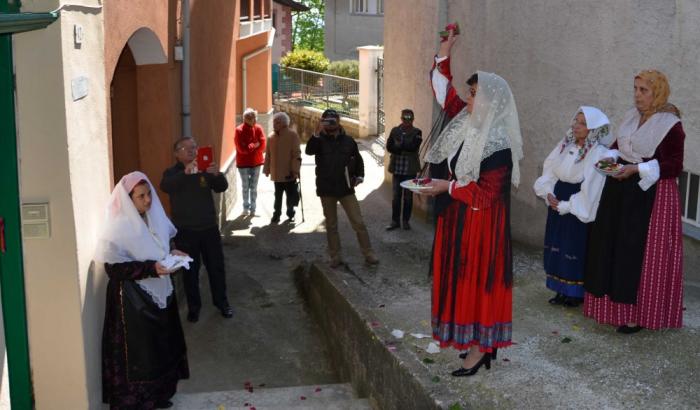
point(634, 268)
point(472, 262)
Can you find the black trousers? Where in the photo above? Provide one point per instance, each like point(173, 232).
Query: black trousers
point(207, 244)
point(289, 189)
point(396, 200)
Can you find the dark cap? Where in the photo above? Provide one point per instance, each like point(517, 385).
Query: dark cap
point(330, 113)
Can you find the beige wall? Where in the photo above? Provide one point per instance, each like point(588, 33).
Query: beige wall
point(62, 161)
point(556, 56)
point(345, 32)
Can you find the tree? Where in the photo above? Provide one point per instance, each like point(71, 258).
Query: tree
point(307, 26)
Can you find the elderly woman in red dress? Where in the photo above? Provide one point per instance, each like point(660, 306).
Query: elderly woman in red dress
point(634, 268)
point(472, 260)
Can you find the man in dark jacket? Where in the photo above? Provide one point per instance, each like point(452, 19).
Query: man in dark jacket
point(403, 144)
point(339, 168)
point(194, 216)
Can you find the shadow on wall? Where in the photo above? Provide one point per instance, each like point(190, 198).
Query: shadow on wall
point(4, 375)
point(213, 84)
point(92, 321)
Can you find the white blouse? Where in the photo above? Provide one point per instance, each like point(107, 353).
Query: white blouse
point(562, 166)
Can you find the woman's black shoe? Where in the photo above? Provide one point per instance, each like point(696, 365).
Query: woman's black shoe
point(462, 372)
point(557, 300)
point(572, 302)
point(493, 354)
point(628, 330)
point(165, 404)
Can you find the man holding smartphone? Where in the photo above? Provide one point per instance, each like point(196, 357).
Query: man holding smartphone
point(339, 168)
point(194, 216)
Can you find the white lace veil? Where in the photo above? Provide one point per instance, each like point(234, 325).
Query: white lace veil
point(126, 236)
point(492, 126)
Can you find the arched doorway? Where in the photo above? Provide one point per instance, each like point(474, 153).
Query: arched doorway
point(124, 108)
point(141, 102)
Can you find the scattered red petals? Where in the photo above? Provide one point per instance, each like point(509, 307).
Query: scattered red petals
point(375, 324)
point(318, 389)
point(506, 360)
point(302, 398)
point(261, 385)
point(554, 332)
point(246, 404)
point(382, 305)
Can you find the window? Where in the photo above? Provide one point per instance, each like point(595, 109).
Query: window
point(374, 7)
point(257, 9)
point(268, 8)
point(689, 185)
point(245, 10)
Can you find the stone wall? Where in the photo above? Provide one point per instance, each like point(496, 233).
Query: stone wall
point(305, 119)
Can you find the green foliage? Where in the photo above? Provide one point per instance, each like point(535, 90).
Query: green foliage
point(306, 60)
point(455, 406)
point(308, 26)
point(345, 68)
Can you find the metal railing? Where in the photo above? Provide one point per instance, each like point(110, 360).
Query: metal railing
point(319, 90)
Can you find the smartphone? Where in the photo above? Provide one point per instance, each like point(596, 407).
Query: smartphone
point(205, 156)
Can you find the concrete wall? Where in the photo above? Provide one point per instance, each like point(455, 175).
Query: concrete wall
point(345, 32)
point(64, 158)
point(556, 56)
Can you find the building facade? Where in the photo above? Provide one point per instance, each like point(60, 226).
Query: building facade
point(350, 24)
point(99, 94)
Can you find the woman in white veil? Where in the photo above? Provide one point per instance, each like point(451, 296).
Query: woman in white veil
point(141, 366)
point(472, 259)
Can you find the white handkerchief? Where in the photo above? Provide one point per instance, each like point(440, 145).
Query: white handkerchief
point(172, 262)
point(397, 333)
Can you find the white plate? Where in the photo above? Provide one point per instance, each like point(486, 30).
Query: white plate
point(409, 184)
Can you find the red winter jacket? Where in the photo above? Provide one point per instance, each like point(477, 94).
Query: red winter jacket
point(247, 155)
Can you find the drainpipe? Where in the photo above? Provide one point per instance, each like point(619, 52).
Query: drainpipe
point(266, 47)
point(186, 123)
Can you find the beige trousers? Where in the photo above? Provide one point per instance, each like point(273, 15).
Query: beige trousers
point(352, 210)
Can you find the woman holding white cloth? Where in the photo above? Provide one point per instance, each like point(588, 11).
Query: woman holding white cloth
point(143, 346)
point(571, 188)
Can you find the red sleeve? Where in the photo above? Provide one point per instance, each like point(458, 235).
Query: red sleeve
point(240, 144)
point(484, 192)
point(670, 152)
point(453, 104)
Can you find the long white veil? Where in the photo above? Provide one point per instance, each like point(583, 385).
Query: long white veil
point(492, 126)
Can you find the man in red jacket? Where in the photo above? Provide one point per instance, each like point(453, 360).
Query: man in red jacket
point(250, 146)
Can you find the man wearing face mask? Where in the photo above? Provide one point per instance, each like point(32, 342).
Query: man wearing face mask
point(339, 168)
point(403, 144)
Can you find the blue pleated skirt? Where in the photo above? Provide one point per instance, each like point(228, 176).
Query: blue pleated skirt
point(565, 246)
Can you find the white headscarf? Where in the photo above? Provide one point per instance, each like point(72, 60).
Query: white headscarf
point(492, 126)
point(127, 237)
point(598, 126)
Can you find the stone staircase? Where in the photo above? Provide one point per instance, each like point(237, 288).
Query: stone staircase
point(320, 397)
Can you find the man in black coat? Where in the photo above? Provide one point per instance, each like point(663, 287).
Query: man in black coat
point(403, 144)
point(339, 168)
point(194, 216)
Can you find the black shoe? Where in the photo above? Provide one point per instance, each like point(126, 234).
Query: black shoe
point(165, 404)
point(462, 372)
point(557, 300)
point(406, 226)
point(193, 316)
point(572, 302)
point(628, 330)
point(493, 354)
point(275, 219)
point(227, 312)
point(291, 219)
point(392, 226)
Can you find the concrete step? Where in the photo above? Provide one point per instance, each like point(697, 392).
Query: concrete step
point(315, 397)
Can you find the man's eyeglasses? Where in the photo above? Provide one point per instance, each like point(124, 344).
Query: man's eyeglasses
point(188, 149)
